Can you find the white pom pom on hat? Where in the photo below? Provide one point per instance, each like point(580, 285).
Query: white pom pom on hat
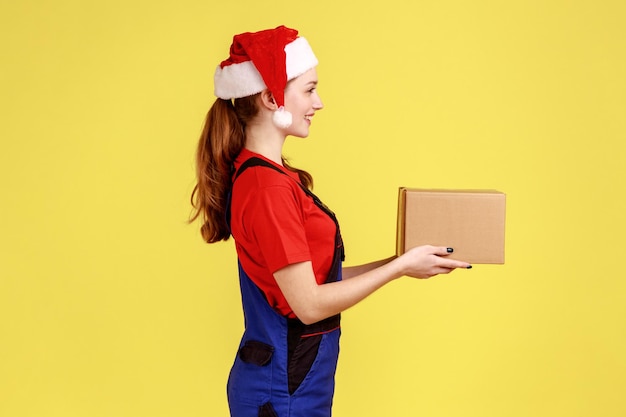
point(266, 59)
point(282, 118)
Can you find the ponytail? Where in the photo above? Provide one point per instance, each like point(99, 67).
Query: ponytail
point(222, 139)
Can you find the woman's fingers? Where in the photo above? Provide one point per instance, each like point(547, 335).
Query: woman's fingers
point(442, 250)
point(453, 264)
point(448, 262)
point(428, 261)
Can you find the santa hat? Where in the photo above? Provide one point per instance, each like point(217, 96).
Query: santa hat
point(265, 59)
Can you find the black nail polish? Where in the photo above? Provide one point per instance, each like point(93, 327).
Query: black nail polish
point(450, 250)
point(469, 267)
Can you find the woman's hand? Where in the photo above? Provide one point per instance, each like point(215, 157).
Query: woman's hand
point(428, 261)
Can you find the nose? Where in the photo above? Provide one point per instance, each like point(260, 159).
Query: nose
point(317, 102)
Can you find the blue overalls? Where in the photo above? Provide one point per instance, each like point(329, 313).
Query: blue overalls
point(284, 368)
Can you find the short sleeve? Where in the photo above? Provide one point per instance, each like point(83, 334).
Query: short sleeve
point(275, 220)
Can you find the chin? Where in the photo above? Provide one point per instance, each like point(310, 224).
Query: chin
point(299, 134)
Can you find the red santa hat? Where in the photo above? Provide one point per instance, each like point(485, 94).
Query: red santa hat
point(265, 59)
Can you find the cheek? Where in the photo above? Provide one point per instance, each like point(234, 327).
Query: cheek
point(296, 101)
point(290, 102)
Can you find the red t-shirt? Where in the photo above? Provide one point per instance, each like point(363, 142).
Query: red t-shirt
point(275, 224)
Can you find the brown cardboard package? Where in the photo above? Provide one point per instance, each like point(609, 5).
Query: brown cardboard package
point(470, 221)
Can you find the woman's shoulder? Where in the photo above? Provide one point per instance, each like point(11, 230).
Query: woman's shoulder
point(262, 172)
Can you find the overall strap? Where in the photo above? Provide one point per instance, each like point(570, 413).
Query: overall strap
point(255, 161)
point(251, 162)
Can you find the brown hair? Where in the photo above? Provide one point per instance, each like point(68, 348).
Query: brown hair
point(222, 139)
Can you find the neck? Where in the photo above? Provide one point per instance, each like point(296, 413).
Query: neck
point(265, 141)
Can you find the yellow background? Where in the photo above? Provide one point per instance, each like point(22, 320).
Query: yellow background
point(111, 305)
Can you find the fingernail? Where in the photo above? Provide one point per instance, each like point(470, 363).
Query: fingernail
point(469, 267)
point(450, 250)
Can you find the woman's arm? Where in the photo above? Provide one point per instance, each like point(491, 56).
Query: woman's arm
point(352, 271)
point(312, 302)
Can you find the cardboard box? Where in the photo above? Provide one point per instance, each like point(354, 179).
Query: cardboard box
point(470, 221)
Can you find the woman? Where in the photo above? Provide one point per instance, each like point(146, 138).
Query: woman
point(288, 243)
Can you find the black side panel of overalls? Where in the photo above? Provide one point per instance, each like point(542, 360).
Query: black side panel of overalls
point(302, 344)
point(301, 354)
point(303, 341)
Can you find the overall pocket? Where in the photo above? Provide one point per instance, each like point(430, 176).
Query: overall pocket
point(250, 380)
point(256, 353)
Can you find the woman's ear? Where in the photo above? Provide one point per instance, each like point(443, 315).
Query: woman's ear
point(267, 99)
